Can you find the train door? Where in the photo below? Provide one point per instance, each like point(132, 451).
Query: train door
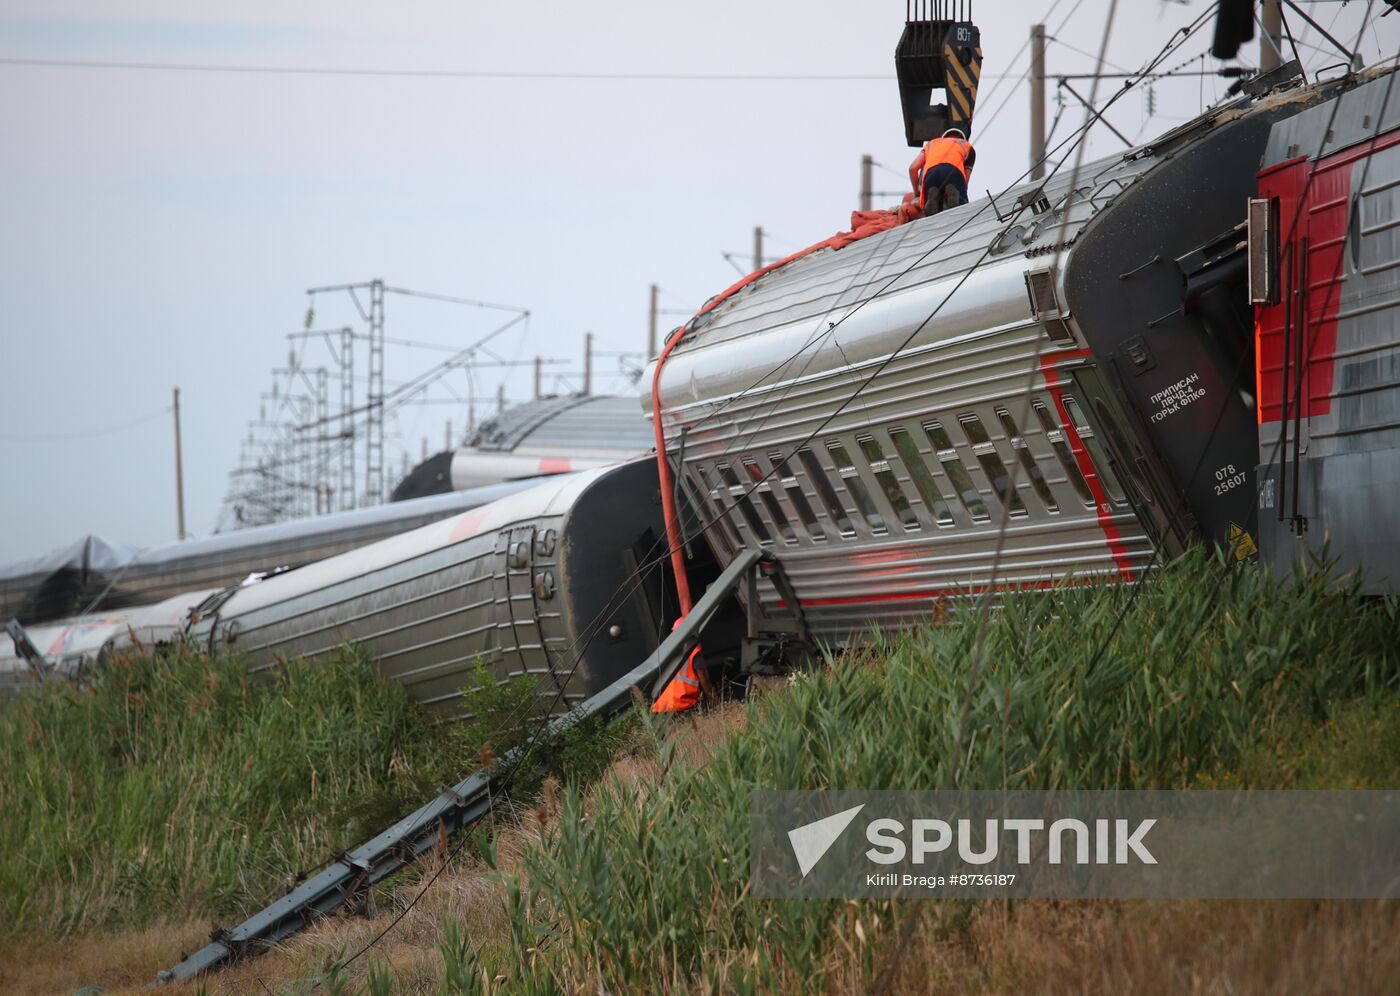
point(1136, 473)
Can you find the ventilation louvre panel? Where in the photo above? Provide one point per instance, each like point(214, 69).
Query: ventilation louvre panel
point(1045, 305)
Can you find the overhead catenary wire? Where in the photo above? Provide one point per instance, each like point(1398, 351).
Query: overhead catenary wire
point(832, 327)
point(50, 437)
point(458, 74)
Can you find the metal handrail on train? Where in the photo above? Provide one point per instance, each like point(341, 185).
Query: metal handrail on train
point(345, 880)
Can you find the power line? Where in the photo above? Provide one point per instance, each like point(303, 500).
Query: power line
point(987, 123)
point(463, 74)
point(46, 437)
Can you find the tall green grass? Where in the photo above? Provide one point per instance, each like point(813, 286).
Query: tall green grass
point(176, 785)
point(640, 893)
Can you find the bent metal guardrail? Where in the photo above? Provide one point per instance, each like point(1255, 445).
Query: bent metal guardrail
point(347, 879)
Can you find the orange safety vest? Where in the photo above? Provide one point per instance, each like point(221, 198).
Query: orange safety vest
point(683, 692)
point(944, 150)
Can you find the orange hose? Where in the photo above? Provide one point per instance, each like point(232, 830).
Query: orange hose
point(663, 465)
point(663, 473)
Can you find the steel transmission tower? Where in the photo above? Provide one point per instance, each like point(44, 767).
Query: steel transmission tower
point(374, 429)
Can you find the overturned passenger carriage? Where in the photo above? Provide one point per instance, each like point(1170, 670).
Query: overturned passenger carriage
point(548, 583)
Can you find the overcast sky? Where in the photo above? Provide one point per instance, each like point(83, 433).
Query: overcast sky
point(161, 228)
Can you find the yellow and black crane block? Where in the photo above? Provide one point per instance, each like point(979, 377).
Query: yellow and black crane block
point(941, 48)
point(962, 70)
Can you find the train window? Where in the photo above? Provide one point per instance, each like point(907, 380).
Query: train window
point(1103, 466)
point(816, 473)
point(798, 498)
point(1056, 435)
point(738, 492)
point(924, 483)
point(957, 473)
point(1133, 471)
point(846, 467)
point(1028, 463)
point(770, 501)
point(889, 484)
point(700, 502)
point(986, 453)
point(716, 491)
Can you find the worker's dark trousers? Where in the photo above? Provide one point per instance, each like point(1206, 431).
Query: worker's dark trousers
point(936, 180)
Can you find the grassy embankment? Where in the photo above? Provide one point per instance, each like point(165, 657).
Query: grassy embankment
point(175, 785)
point(638, 884)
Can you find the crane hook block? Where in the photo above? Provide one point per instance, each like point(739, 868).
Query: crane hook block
point(939, 49)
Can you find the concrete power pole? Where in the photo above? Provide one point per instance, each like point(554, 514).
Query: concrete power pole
point(651, 324)
point(588, 363)
point(1271, 38)
point(179, 472)
point(539, 363)
point(867, 194)
point(1037, 102)
point(500, 398)
point(758, 248)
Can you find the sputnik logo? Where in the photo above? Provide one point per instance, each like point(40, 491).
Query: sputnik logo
point(812, 840)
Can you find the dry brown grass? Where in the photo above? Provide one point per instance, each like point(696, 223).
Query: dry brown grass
point(124, 961)
point(1227, 948)
point(1201, 947)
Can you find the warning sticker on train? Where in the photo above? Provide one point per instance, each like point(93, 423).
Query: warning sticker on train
point(1241, 543)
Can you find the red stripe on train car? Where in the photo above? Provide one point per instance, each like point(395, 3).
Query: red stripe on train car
point(1117, 550)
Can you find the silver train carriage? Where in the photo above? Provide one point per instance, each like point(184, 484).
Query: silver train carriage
point(91, 575)
point(1097, 339)
point(545, 583)
point(75, 646)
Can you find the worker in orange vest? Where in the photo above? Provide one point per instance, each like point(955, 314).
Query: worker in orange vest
point(684, 690)
point(941, 170)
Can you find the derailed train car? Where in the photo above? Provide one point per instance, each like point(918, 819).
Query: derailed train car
point(859, 413)
point(92, 575)
point(73, 648)
point(549, 583)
